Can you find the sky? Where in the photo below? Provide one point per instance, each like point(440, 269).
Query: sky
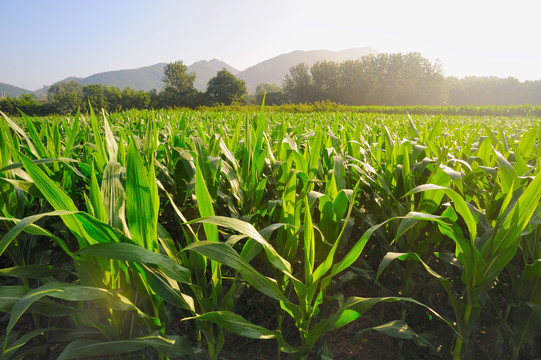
point(47, 41)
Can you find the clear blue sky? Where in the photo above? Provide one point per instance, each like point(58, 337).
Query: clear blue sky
point(48, 40)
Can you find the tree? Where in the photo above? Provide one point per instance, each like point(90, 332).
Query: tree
point(473, 90)
point(179, 87)
point(177, 78)
point(113, 98)
point(326, 80)
point(134, 99)
point(267, 88)
point(225, 88)
point(65, 97)
point(298, 84)
point(273, 94)
point(95, 95)
point(397, 79)
point(353, 89)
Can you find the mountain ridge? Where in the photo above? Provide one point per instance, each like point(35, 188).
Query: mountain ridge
point(272, 70)
point(11, 90)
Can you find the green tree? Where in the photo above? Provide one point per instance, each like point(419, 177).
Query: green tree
point(95, 95)
point(65, 97)
point(133, 99)
point(177, 78)
point(353, 89)
point(274, 94)
point(225, 88)
point(398, 79)
point(178, 86)
point(474, 90)
point(113, 97)
point(267, 88)
point(326, 80)
point(298, 84)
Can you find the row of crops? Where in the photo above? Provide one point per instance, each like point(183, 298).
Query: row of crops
point(227, 235)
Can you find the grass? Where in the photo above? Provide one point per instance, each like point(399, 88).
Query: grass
point(148, 234)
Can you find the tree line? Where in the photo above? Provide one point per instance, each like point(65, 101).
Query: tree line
point(398, 80)
point(374, 80)
point(178, 91)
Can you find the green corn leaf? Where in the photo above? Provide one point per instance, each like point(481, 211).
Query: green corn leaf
point(167, 290)
point(141, 206)
point(238, 325)
point(21, 133)
point(32, 271)
point(399, 329)
point(527, 142)
point(499, 251)
point(391, 256)
point(27, 225)
point(69, 292)
point(508, 176)
point(204, 203)
point(9, 352)
point(29, 298)
point(413, 127)
point(485, 151)
point(42, 151)
point(100, 155)
point(132, 252)
point(412, 218)
point(460, 205)
point(172, 346)
point(315, 153)
point(247, 229)
point(66, 161)
point(114, 196)
point(309, 245)
point(225, 254)
point(27, 186)
point(353, 308)
point(95, 199)
point(10, 294)
point(112, 147)
point(58, 199)
point(73, 135)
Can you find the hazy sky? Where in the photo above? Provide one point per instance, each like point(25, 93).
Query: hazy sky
point(43, 41)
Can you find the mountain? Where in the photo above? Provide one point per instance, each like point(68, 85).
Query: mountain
point(12, 91)
point(205, 70)
point(145, 78)
point(271, 71)
point(150, 77)
point(275, 69)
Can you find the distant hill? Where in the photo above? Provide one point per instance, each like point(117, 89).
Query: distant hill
point(12, 91)
point(205, 70)
point(150, 77)
point(145, 78)
point(274, 70)
point(271, 71)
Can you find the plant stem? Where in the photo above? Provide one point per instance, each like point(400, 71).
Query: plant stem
point(457, 353)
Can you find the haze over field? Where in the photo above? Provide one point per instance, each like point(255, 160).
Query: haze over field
point(49, 41)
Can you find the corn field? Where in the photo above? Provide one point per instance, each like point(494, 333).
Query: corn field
point(214, 235)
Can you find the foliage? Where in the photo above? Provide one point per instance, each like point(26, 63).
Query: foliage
point(298, 84)
point(65, 97)
point(383, 79)
point(176, 77)
point(148, 233)
point(225, 88)
point(26, 103)
point(273, 94)
point(475, 90)
point(383, 83)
